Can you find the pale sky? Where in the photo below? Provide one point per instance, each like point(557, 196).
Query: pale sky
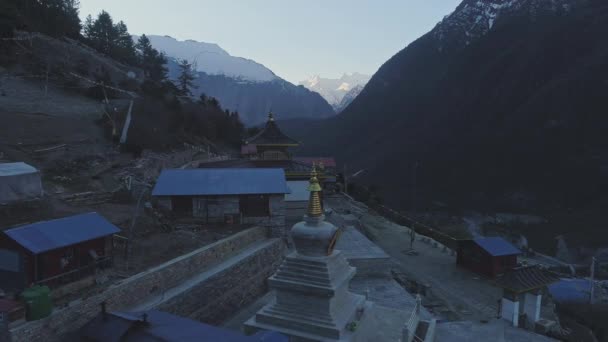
point(294, 38)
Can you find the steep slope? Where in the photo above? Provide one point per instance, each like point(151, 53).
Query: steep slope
point(335, 89)
point(501, 105)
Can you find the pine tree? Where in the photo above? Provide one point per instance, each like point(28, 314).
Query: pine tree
point(124, 48)
point(151, 60)
point(185, 79)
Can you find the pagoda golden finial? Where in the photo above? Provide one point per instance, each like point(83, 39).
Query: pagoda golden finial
point(314, 203)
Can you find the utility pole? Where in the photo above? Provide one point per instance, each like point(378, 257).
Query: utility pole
point(46, 83)
point(414, 180)
point(345, 180)
point(129, 249)
point(592, 290)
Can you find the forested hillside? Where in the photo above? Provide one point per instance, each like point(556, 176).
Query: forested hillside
point(46, 42)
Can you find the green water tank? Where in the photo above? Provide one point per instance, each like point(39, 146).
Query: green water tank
point(37, 302)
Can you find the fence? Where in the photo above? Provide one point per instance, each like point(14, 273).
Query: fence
point(418, 227)
point(409, 330)
point(78, 273)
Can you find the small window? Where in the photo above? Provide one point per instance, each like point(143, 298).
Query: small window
point(254, 205)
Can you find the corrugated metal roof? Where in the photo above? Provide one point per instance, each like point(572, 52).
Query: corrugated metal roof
point(496, 246)
point(326, 161)
point(210, 182)
point(299, 191)
point(11, 169)
point(163, 326)
point(48, 235)
point(571, 290)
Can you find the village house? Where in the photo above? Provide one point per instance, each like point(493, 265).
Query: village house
point(230, 196)
point(522, 295)
point(55, 252)
point(489, 256)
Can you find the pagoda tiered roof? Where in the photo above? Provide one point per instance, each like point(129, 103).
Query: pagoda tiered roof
point(271, 135)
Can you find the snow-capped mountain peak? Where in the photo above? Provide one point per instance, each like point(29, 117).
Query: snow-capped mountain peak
point(334, 89)
point(344, 87)
point(212, 59)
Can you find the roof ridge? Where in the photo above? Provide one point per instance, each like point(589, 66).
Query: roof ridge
point(20, 226)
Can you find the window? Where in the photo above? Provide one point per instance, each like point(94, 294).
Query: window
point(67, 259)
point(254, 205)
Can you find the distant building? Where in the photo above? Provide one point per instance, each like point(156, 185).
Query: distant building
point(55, 252)
point(326, 166)
point(152, 326)
point(489, 256)
point(296, 201)
point(234, 195)
point(522, 294)
point(19, 182)
point(270, 148)
point(270, 143)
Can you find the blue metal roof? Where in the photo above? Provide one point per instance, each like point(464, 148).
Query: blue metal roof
point(231, 181)
point(496, 246)
point(164, 326)
point(48, 235)
point(571, 290)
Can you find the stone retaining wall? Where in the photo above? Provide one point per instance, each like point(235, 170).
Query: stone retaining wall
point(222, 294)
point(137, 288)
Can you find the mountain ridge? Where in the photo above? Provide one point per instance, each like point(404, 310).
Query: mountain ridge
point(488, 122)
point(212, 59)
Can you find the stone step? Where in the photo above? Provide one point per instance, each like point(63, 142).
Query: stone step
point(306, 266)
point(297, 279)
point(297, 268)
point(298, 324)
point(313, 317)
point(306, 262)
point(304, 276)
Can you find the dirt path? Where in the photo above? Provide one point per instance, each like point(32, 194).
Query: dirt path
point(462, 294)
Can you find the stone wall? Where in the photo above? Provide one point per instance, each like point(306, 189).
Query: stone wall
point(137, 288)
point(276, 222)
point(230, 289)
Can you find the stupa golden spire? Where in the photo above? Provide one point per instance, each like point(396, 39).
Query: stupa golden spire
point(314, 203)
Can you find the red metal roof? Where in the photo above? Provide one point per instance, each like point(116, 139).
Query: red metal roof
point(327, 161)
point(249, 149)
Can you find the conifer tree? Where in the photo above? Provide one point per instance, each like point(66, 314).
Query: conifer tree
point(185, 79)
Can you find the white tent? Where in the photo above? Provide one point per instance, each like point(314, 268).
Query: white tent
point(19, 182)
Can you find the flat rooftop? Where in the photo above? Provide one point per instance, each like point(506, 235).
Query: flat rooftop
point(495, 330)
point(355, 245)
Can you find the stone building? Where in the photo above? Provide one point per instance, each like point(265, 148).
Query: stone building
point(230, 196)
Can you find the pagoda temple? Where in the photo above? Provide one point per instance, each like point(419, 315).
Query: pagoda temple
point(270, 148)
point(270, 143)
